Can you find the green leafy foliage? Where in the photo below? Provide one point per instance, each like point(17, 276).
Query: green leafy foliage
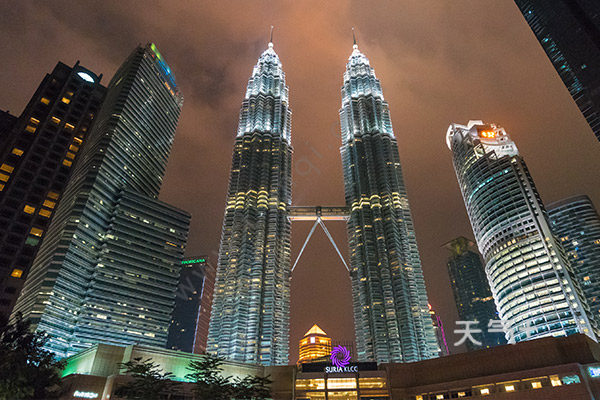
point(147, 382)
point(27, 370)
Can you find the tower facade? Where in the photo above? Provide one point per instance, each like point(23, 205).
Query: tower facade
point(472, 293)
point(315, 345)
point(569, 33)
point(37, 155)
point(391, 313)
point(533, 284)
point(576, 223)
point(109, 267)
point(250, 314)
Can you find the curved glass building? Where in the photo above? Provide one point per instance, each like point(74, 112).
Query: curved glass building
point(576, 223)
point(532, 283)
point(250, 314)
point(391, 312)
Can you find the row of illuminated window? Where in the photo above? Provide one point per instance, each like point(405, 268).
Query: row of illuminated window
point(503, 387)
point(341, 383)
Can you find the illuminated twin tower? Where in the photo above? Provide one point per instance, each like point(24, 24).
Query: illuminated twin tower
point(250, 317)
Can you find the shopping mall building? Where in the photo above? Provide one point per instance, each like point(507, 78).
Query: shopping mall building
point(565, 368)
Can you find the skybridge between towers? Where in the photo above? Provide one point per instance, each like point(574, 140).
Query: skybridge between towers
point(319, 214)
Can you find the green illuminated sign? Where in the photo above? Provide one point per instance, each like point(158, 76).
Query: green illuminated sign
point(194, 261)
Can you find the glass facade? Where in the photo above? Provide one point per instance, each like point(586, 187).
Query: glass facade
point(250, 314)
point(576, 223)
point(109, 268)
point(472, 293)
point(569, 32)
point(37, 155)
point(532, 282)
point(391, 313)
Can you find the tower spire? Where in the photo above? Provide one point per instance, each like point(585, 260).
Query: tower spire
point(354, 38)
point(271, 36)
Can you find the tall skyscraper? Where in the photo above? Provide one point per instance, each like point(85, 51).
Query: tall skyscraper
point(314, 346)
point(250, 315)
point(189, 325)
point(576, 223)
point(109, 267)
point(533, 284)
point(37, 154)
point(472, 293)
point(391, 313)
point(569, 32)
point(440, 332)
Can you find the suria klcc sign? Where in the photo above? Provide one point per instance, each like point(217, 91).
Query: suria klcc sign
point(340, 358)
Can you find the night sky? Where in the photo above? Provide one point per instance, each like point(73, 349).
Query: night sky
point(438, 61)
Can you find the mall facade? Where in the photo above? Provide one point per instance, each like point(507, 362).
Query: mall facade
point(548, 368)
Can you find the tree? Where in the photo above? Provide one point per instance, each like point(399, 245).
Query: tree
point(148, 382)
point(209, 383)
point(27, 370)
point(252, 388)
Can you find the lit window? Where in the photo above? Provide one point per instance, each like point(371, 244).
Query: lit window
point(28, 209)
point(70, 155)
point(462, 394)
point(30, 129)
point(78, 140)
point(439, 397)
point(419, 398)
point(4, 177)
point(45, 213)
point(34, 121)
point(1, 187)
point(69, 126)
point(16, 273)
point(53, 195)
point(67, 163)
point(55, 120)
point(7, 168)
point(536, 385)
point(31, 241)
point(65, 100)
point(74, 148)
point(49, 204)
point(312, 339)
point(485, 392)
point(36, 231)
point(17, 151)
point(510, 388)
point(555, 381)
point(45, 100)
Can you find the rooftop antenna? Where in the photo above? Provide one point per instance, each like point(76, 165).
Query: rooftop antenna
point(354, 37)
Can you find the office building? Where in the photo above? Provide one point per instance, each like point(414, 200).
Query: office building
point(189, 325)
point(440, 333)
point(472, 293)
point(315, 345)
point(576, 223)
point(391, 313)
point(545, 369)
point(533, 285)
point(250, 314)
point(569, 33)
point(37, 154)
point(109, 267)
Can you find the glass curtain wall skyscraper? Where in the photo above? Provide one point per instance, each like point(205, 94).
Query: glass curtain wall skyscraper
point(109, 268)
point(250, 314)
point(569, 32)
point(532, 282)
point(576, 223)
point(391, 313)
point(472, 294)
point(36, 160)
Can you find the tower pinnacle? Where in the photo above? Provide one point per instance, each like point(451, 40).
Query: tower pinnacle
point(271, 38)
point(355, 46)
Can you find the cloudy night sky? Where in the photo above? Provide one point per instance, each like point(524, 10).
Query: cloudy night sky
point(438, 61)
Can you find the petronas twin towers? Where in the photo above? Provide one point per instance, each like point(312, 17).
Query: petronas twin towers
point(250, 317)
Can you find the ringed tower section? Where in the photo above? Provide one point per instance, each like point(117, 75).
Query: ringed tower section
point(250, 316)
point(391, 313)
